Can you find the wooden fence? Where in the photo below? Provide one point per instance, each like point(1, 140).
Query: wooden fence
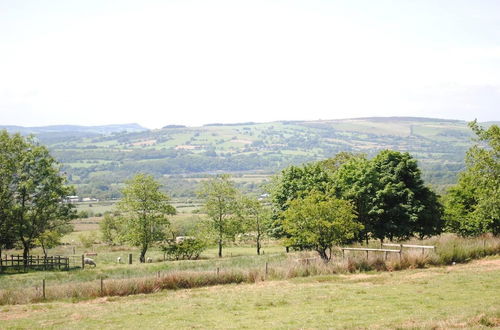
point(17, 262)
point(386, 251)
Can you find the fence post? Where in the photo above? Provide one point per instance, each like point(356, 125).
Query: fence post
point(385, 255)
point(43, 289)
point(83, 261)
point(158, 274)
point(366, 255)
point(266, 270)
point(400, 251)
point(74, 252)
point(217, 271)
point(130, 258)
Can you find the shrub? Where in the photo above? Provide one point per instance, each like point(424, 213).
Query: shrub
point(189, 248)
point(86, 240)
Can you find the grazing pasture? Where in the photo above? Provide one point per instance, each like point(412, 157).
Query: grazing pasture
point(464, 296)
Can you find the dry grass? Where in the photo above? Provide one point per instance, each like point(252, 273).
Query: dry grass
point(449, 251)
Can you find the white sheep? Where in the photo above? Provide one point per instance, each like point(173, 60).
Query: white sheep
point(119, 260)
point(88, 261)
point(149, 260)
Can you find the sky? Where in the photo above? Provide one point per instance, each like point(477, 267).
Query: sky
point(188, 62)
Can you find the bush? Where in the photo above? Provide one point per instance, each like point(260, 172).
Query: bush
point(189, 248)
point(86, 240)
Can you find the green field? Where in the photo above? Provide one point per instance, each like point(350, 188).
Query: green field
point(465, 296)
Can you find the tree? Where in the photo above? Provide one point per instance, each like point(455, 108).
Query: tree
point(318, 221)
point(402, 205)
point(52, 238)
point(256, 218)
point(144, 209)
point(221, 205)
point(473, 205)
point(8, 162)
point(294, 182)
point(33, 191)
point(111, 229)
point(355, 181)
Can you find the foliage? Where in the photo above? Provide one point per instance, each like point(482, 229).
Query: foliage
point(402, 205)
point(86, 240)
point(144, 209)
point(33, 191)
point(221, 205)
point(473, 205)
point(190, 248)
point(256, 218)
point(387, 192)
point(294, 182)
point(111, 229)
point(319, 222)
point(52, 238)
point(355, 181)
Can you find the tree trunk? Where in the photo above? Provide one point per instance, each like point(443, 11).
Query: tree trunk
point(142, 257)
point(26, 252)
point(43, 248)
point(220, 248)
point(287, 249)
point(323, 254)
point(258, 247)
point(220, 239)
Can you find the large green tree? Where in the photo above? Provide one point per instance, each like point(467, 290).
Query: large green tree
point(401, 205)
point(292, 183)
point(319, 222)
point(220, 198)
point(354, 180)
point(33, 191)
point(144, 211)
point(473, 205)
point(8, 161)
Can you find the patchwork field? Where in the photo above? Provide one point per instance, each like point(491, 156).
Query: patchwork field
point(98, 163)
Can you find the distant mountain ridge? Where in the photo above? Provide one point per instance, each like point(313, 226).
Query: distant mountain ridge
point(100, 129)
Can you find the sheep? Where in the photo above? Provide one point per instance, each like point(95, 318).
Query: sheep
point(88, 261)
point(149, 260)
point(119, 260)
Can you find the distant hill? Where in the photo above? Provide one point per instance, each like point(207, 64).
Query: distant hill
point(58, 133)
point(99, 159)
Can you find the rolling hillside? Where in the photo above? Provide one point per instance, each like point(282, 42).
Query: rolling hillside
point(99, 160)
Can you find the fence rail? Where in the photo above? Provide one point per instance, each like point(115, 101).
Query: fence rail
point(19, 263)
point(410, 246)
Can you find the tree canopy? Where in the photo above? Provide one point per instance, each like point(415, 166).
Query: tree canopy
point(473, 205)
point(32, 192)
point(318, 222)
point(221, 204)
point(292, 183)
point(387, 193)
point(144, 209)
point(402, 206)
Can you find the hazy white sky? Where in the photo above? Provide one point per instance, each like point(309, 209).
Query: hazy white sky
point(195, 62)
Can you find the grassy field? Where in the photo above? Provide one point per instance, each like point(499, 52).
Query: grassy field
point(465, 296)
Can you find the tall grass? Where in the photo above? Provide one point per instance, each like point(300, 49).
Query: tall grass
point(449, 250)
